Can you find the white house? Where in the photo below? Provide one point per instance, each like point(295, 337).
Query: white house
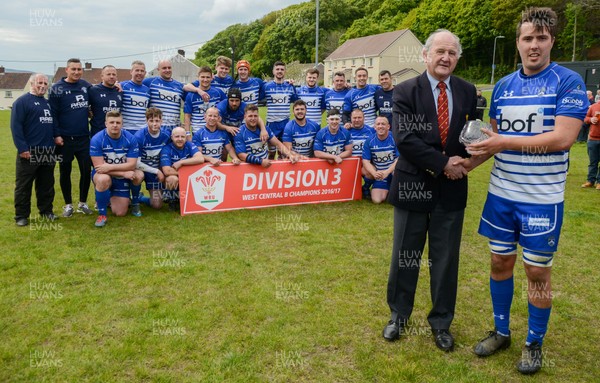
point(12, 86)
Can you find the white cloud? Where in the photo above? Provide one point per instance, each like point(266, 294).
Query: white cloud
point(55, 30)
point(14, 36)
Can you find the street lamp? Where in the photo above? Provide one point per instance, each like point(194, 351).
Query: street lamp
point(232, 49)
point(494, 57)
point(317, 36)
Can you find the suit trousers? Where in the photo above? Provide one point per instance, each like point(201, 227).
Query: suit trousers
point(411, 229)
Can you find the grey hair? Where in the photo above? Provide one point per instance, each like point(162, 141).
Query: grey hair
point(35, 75)
point(431, 37)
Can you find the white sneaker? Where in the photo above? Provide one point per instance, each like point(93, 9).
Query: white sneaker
point(83, 208)
point(67, 211)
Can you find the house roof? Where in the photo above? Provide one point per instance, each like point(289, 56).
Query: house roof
point(14, 80)
point(93, 75)
point(403, 71)
point(176, 58)
point(372, 45)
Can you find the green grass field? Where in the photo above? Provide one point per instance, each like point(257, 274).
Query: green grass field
point(231, 297)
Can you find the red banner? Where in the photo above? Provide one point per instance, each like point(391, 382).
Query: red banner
point(206, 188)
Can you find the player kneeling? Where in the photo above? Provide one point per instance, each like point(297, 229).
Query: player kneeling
point(114, 155)
point(151, 139)
point(379, 159)
point(332, 143)
point(179, 152)
point(249, 146)
point(211, 141)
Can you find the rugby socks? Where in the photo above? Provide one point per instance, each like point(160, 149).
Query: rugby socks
point(502, 295)
point(135, 193)
point(538, 324)
point(368, 182)
point(102, 199)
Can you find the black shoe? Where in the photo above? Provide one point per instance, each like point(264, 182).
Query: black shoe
point(366, 193)
point(491, 343)
point(531, 359)
point(174, 205)
point(50, 217)
point(22, 222)
point(392, 330)
point(443, 340)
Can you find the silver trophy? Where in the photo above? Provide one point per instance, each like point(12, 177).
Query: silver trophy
point(471, 132)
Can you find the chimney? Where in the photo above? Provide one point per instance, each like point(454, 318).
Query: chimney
point(88, 66)
point(181, 52)
point(1, 70)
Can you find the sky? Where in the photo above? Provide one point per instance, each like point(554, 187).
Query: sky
point(99, 32)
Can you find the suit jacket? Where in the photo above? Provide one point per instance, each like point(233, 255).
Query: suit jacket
point(419, 183)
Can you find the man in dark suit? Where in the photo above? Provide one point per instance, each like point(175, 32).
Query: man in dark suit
point(429, 191)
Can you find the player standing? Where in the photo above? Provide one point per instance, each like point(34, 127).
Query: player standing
point(251, 87)
point(195, 106)
point(334, 97)
point(136, 98)
point(533, 132)
point(361, 97)
point(32, 127)
point(383, 95)
point(313, 95)
point(280, 95)
point(166, 94)
point(104, 98)
point(69, 103)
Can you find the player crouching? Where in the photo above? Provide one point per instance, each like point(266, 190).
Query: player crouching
point(173, 156)
point(380, 155)
point(114, 155)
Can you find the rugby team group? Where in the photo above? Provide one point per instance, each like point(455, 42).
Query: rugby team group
point(130, 132)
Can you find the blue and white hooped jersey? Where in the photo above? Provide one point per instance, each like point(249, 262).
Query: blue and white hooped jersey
point(196, 107)
point(330, 143)
point(252, 90)
point(527, 106)
point(171, 154)
point(222, 84)
point(381, 153)
point(315, 102)
point(168, 97)
point(136, 98)
point(302, 138)
point(334, 99)
point(210, 143)
point(279, 97)
point(363, 99)
point(114, 151)
point(248, 141)
point(358, 137)
point(150, 147)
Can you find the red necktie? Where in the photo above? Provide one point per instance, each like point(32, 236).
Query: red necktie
point(442, 112)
